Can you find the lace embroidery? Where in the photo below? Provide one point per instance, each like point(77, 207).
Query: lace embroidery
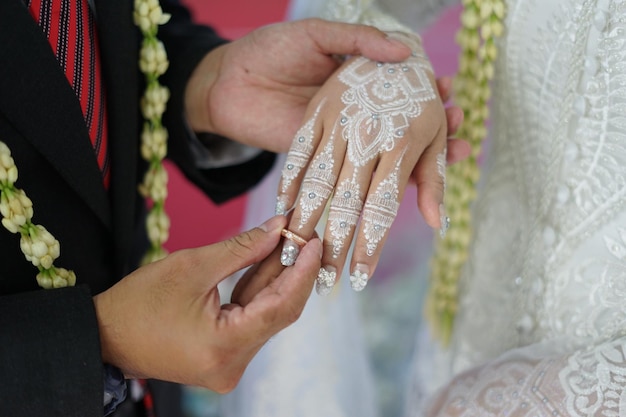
point(556, 166)
point(594, 381)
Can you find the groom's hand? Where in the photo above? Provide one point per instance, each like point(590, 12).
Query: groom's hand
point(256, 90)
point(166, 321)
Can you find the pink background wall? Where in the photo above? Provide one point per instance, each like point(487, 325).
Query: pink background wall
point(196, 221)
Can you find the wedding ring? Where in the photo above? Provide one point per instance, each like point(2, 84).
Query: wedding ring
point(288, 234)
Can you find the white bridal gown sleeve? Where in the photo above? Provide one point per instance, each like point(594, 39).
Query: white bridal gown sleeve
point(319, 366)
point(541, 326)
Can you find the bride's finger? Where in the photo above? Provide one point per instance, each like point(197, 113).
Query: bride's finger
point(430, 176)
point(379, 211)
point(302, 148)
point(317, 187)
point(343, 216)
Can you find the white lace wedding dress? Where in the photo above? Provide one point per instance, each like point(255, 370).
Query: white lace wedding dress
point(541, 329)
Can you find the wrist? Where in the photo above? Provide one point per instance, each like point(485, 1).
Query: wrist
point(106, 329)
point(197, 91)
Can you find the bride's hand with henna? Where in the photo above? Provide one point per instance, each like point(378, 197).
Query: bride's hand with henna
point(369, 130)
point(257, 277)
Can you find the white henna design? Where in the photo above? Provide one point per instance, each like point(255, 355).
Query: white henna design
point(300, 152)
point(344, 213)
point(381, 100)
point(318, 184)
point(381, 209)
point(441, 167)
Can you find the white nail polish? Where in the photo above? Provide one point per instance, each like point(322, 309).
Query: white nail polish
point(326, 279)
point(290, 252)
point(359, 277)
point(444, 221)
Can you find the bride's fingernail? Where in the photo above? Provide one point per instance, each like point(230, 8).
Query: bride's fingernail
point(444, 221)
point(359, 277)
point(281, 205)
point(326, 278)
point(290, 253)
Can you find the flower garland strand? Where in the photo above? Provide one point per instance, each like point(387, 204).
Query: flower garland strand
point(38, 245)
point(153, 63)
point(481, 24)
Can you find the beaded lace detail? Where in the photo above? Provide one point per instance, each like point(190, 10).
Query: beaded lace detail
point(547, 268)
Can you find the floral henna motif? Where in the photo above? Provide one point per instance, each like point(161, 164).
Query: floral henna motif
point(381, 100)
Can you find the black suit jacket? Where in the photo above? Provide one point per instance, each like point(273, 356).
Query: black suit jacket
point(50, 362)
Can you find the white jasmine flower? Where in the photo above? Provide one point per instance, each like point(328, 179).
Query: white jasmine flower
point(154, 185)
point(40, 247)
point(153, 58)
point(153, 142)
point(16, 209)
point(158, 224)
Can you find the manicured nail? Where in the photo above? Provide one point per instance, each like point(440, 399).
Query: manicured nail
point(359, 277)
point(444, 221)
point(326, 278)
point(281, 205)
point(290, 253)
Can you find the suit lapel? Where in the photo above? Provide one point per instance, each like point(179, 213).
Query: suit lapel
point(119, 40)
point(36, 97)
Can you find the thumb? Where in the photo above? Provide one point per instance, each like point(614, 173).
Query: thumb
point(249, 247)
point(349, 39)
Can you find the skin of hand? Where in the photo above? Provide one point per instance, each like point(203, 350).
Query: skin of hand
point(349, 155)
point(257, 89)
point(165, 320)
point(259, 276)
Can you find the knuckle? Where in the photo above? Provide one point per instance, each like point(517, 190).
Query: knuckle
point(240, 245)
point(228, 383)
point(179, 264)
point(292, 314)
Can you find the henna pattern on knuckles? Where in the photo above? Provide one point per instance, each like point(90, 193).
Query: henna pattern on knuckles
point(381, 209)
point(344, 213)
point(319, 183)
point(300, 152)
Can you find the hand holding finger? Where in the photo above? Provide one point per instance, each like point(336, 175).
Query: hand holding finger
point(165, 320)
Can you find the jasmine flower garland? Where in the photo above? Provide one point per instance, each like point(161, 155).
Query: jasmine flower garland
point(153, 63)
point(481, 24)
point(38, 245)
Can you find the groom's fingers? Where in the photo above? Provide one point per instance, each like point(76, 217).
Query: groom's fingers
point(281, 302)
point(334, 38)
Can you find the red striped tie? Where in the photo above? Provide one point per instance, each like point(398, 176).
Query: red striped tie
point(71, 31)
